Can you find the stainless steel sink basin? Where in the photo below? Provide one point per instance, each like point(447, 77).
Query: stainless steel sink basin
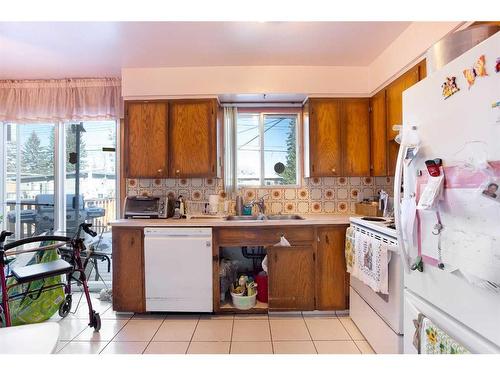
point(284, 217)
point(241, 218)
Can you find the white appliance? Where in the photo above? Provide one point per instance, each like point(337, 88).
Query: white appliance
point(178, 269)
point(464, 131)
point(378, 316)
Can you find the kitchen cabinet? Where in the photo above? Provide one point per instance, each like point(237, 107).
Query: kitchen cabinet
point(325, 147)
point(146, 139)
point(193, 138)
point(332, 286)
point(394, 109)
point(171, 139)
point(338, 137)
point(128, 270)
point(355, 130)
point(378, 137)
point(291, 277)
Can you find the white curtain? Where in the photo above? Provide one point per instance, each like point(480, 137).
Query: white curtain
point(230, 119)
point(60, 100)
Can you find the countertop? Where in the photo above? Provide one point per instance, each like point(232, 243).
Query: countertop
point(219, 221)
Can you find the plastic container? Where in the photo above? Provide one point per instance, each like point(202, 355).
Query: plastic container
point(261, 280)
point(244, 302)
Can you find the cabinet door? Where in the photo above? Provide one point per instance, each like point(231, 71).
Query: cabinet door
point(378, 145)
point(128, 270)
point(291, 278)
point(394, 104)
point(325, 138)
point(356, 136)
point(331, 277)
point(193, 139)
point(146, 139)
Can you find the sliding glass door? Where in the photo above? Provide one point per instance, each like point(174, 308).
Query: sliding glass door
point(28, 188)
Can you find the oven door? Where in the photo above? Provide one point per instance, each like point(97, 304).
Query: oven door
point(388, 306)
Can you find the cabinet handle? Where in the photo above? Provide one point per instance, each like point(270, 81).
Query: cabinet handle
point(275, 257)
point(177, 171)
point(326, 239)
point(132, 241)
point(312, 167)
point(159, 170)
point(333, 170)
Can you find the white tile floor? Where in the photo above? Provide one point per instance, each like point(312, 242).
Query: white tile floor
point(209, 334)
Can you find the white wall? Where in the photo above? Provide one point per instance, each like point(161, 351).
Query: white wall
point(203, 81)
point(407, 49)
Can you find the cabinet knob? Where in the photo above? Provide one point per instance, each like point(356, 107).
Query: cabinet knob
point(333, 170)
point(159, 170)
point(177, 171)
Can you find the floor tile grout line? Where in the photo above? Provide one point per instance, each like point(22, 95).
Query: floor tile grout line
point(192, 335)
point(231, 339)
point(349, 333)
point(309, 332)
point(154, 334)
point(271, 333)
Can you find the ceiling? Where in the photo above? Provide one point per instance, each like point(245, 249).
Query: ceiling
point(41, 50)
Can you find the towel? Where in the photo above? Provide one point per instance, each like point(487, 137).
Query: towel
point(430, 339)
point(349, 249)
point(371, 263)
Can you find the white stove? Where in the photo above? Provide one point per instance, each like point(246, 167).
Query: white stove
point(380, 224)
point(379, 316)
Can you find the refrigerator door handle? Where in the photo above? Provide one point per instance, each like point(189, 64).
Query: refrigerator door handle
point(398, 178)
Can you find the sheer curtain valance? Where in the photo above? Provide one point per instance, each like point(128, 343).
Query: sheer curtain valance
point(59, 100)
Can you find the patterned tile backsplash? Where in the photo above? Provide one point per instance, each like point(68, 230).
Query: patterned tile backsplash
point(316, 195)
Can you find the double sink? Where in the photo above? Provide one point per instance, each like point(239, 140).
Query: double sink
point(263, 217)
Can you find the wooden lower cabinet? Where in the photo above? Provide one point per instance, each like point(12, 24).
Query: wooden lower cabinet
point(128, 270)
point(331, 276)
point(291, 278)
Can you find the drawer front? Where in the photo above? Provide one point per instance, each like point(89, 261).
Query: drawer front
point(263, 236)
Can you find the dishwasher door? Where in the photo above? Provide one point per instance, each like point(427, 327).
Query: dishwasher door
point(178, 269)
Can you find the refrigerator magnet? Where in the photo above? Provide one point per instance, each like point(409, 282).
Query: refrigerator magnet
point(449, 87)
point(478, 70)
point(491, 189)
point(497, 65)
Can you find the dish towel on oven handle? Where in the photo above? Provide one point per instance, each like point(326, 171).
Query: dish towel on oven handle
point(349, 249)
point(371, 263)
point(430, 339)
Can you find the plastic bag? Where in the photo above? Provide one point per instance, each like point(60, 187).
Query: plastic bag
point(27, 310)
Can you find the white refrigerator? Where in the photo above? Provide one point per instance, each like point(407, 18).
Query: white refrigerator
point(458, 287)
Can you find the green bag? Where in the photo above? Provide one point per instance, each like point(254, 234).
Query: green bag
point(28, 310)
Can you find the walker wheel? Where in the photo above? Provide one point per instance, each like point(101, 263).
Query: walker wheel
point(65, 306)
point(96, 321)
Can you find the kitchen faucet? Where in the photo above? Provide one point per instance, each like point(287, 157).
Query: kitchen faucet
point(259, 203)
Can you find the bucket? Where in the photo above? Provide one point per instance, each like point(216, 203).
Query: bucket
point(261, 280)
point(244, 302)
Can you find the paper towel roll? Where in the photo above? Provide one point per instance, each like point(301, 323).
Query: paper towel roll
point(213, 203)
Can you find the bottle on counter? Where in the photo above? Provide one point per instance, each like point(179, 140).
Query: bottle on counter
point(239, 205)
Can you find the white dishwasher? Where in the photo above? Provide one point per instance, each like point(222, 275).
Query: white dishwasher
point(178, 269)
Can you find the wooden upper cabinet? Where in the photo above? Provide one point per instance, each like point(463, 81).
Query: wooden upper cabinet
point(355, 122)
point(332, 287)
point(291, 277)
point(193, 138)
point(394, 105)
point(146, 139)
point(378, 138)
point(325, 146)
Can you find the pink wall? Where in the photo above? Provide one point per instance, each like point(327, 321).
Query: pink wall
point(406, 50)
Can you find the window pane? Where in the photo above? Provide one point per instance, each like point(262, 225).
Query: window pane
point(30, 179)
point(280, 150)
point(248, 150)
point(94, 184)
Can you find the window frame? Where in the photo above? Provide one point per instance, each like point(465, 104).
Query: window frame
point(59, 172)
point(262, 112)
